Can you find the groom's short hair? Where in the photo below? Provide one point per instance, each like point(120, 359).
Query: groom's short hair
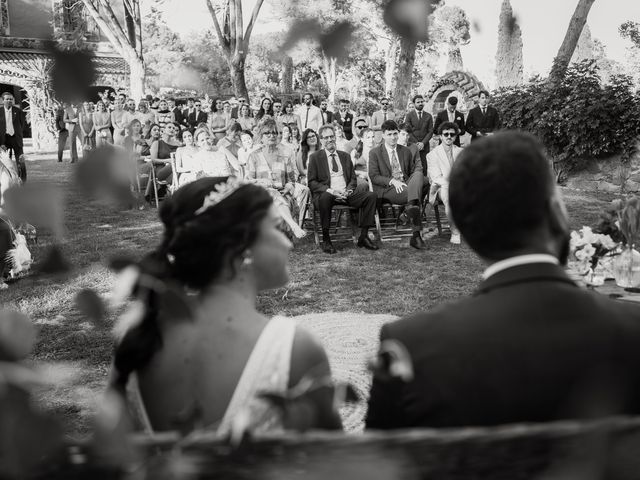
point(499, 192)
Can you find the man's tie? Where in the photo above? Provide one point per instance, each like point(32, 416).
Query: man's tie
point(334, 164)
point(385, 116)
point(306, 118)
point(484, 110)
point(395, 163)
point(419, 115)
point(449, 156)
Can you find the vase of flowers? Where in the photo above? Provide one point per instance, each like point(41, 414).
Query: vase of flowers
point(626, 265)
point(587, 250)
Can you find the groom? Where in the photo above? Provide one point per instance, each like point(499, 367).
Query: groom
point(529, 345)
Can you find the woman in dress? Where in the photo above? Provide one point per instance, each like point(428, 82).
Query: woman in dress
point(308, 145)
point(287, 137)
point(164, 115)
point(226, 111)
point(289, 117)
point(266, 108)
point(136, 146)
point(214, 161)
point(360, 155)
point(85, 117)
point(146, 116)
point(217, 120)
point(222, 242)
point(120, 119)
point(244, 118)
point(274, 167)
point(160, 151)
point(187, 166)
point(102, 125)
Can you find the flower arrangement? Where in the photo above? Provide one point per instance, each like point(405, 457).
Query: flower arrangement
point(588, 248)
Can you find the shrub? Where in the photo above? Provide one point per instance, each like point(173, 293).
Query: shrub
point(579, 119)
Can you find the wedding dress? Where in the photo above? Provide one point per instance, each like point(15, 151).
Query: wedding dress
point(267, 370)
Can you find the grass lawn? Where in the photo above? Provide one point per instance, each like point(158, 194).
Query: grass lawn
point(76, 353)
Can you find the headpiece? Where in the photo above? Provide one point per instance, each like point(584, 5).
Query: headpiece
point(220, 192)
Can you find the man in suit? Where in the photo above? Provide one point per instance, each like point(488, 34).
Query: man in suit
point(421, 124)
point(235, 106)
point(332, 179)
point(188, 111)
point(327, 116)
point(344, 118)
point(404, 131)
point(450, 114)
point(482, 120)
point(177, 111)
point(63, 133)
point(529, 345)
point(381, 116)
point(12, 125)
point(358, 128)
point(310, 115)
point(71, 121)
point(397, 177)
point(440, 161)
point(196, 117)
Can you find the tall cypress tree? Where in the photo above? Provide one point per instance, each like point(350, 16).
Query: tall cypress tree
point(509, 69)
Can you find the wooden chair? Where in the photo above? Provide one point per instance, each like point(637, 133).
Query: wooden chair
point(436, 212)
point(155, 183)
point(339, 215)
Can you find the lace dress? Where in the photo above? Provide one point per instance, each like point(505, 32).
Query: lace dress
point(267, 370)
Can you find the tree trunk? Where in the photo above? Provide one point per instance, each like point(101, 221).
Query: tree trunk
point(405, 74)
point(578, 20)
point(390, 65)
point(286, 84)
point(137, 78)
point(236, 68)
point(330, 75)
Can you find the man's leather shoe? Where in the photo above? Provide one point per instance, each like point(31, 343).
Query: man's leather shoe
point(327, 247)
point(367, 243)
point(417, 242)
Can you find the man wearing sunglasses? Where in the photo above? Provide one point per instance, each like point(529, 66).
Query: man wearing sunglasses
point(378, 118)
point(359, 126)
point(440, 161)
point(196, 117)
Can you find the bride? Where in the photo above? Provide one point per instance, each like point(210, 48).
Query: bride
point(222, 241)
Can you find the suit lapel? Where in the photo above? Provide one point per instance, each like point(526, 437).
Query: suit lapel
point(385, 157)
point(322, 158)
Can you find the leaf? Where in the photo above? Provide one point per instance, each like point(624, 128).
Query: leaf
point(336, 41)
point(91, 305)
point(409, 18)
point(54, 262)
point(17, 335)
point(72, 75)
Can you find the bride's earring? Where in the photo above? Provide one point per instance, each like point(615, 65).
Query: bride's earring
point(247, 260)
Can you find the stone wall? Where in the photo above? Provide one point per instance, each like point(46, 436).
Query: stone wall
point(609, 175)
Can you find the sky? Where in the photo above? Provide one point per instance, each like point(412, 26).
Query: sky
point(543, 24)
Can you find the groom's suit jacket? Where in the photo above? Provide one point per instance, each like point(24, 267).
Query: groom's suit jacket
point(528, 346)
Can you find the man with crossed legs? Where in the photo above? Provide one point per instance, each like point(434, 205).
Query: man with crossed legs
point(332, 179)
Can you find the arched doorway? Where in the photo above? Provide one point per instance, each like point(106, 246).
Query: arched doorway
point(462, 85)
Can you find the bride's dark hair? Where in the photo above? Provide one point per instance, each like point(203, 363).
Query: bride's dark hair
point(195, 250)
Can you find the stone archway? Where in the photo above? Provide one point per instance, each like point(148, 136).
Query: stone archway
point(463, 85)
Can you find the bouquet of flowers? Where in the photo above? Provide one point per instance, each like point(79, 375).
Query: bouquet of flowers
point(588, 248)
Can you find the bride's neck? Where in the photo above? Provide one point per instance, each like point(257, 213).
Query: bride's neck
point(238, 293)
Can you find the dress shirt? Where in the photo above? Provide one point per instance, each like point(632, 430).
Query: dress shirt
point(9, 121)
point(395, 166)
point(484, 110)
point(337, 178)
point(517, 261)
point(451, 115)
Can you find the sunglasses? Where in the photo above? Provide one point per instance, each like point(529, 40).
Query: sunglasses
point(449, 135)
point(197, 104)
point(361, 127)
point(384, 104)
point(328, 137)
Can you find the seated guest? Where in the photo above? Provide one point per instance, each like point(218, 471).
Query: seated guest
point(145, 116)
point(246, 138)
point(160, 152)
point(287, 137)
point(332, 180)
point(273, 167)
point(214, 161)
point(360, 156)
point(219, 250)
point(135, 145)
point(358, 127)
point(341, 141)
point(529, 345)
point(296, 136)
point(404, 134)
point(308, 145)
point(440, 162)
point(265, 109)
point(397, 177)
point(164, 115)
point(187, 165)
point(290, 117)
point(196, 116)
point(450, 114)
point(246, 121)
point(362, 115)
point(231, 140)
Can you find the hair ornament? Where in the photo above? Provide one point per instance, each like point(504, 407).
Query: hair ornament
point(220, 192)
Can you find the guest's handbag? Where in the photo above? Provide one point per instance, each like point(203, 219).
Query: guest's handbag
point(87, 145)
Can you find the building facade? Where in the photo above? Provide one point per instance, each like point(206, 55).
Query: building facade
point(27, 28)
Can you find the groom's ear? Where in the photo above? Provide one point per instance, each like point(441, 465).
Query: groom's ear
point(557, 214)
